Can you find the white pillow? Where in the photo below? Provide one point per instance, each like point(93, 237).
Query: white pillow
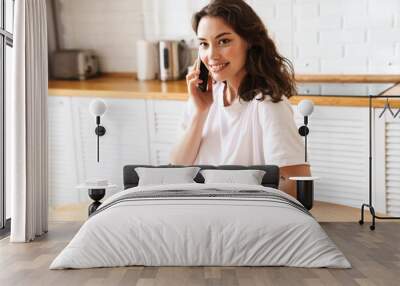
point(163, 176)
point(248, 177)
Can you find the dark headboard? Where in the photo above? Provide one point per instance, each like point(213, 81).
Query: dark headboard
point(270, 179)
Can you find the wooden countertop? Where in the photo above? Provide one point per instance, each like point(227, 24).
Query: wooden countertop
point(120, 87)
point(348, 78)
point(126, 86)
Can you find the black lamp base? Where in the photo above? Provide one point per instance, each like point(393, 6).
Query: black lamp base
point(303, 130)
point(96, 195)
point(100, 130)
point(305, 193)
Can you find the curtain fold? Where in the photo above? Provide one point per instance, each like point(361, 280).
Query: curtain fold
point(27, 117)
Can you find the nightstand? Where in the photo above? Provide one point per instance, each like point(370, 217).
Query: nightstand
point(96, 193)
point(305, 190)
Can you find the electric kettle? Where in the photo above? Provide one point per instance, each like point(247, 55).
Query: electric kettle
point(174, 59)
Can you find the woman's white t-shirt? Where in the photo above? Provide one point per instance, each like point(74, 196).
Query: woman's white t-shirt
point(247, 133)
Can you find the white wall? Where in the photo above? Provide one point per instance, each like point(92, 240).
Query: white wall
point(319, 36)
point(111, 28)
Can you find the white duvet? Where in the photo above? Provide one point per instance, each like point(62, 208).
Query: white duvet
point(200, 231)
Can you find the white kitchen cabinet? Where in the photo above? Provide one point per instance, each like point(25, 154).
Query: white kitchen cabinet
point(392, 179)
point(125, 141)
point(63, 175)
point(160, 153)
point(164, 118)
point(338, 153)
point(386, 163)
point(144, 131)
point(137, 132)
point(73, 144)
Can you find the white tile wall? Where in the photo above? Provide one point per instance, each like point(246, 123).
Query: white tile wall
point(319, 36)
point(111, 28)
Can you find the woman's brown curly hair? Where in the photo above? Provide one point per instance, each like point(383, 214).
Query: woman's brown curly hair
point(268, 73)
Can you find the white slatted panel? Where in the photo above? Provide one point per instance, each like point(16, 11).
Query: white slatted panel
point(62, 171)
point(164, 118)
point(125, 141)
point(338, 154)
point(160, 153)
point(393, 167)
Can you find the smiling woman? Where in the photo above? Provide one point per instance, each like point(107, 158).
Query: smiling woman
point(244, 117)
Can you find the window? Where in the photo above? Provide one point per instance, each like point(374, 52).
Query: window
point(6, 44)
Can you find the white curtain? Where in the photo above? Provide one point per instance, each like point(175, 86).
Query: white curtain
point(27, 121)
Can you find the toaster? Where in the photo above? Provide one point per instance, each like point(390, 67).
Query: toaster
point(74, 64)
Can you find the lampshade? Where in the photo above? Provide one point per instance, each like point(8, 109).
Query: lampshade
point(305, 107)
point(97, 107)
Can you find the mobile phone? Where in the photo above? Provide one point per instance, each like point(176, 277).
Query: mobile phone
point(203, 76)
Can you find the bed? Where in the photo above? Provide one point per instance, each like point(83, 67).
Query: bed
point(201, 224)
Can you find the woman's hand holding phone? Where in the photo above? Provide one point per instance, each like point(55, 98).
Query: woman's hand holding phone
point(202, 100)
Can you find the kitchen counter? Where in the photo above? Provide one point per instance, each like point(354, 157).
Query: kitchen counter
point(120, 86)
point(126, 86)
point(143, 119)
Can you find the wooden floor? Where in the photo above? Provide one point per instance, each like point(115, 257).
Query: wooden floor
point(374, 255)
